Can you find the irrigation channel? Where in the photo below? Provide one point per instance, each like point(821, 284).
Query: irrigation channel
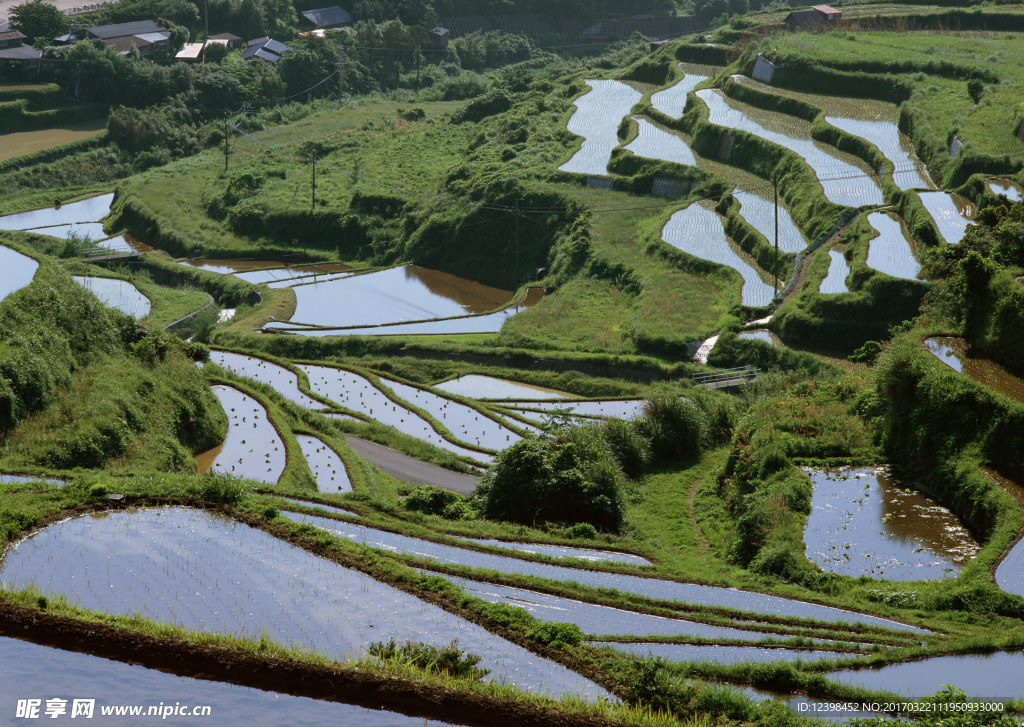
point(27, 671)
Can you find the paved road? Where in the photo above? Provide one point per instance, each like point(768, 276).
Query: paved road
point(409, 469)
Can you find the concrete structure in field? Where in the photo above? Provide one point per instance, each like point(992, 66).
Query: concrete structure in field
point(266, 49)
point(330, 17)
point(819, 16)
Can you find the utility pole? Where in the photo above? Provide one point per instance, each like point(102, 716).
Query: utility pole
point(515, 271)
point(775, 184)
point(417, 67)
point(206, 20)
point(225, 144)
point(341, 72)
point(312, 204)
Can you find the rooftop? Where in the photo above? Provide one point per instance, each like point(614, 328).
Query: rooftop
point(327, 17)
point(120, 30)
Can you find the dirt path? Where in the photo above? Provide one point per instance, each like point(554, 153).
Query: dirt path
point(805, 264)
point(409, 469)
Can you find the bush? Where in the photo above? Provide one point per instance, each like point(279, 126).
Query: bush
point(450, 659)
point(556, 634)
point(673, 426)
point(435, 501)
point(217, 487)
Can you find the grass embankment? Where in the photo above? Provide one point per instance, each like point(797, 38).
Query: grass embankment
point(83, 387)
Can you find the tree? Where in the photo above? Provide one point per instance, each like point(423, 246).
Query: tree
point(312, 60)
point(38, 20)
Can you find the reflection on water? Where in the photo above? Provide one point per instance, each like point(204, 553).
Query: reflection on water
point(18, 271)
point(27, 670)
point(475, 386)
point(951, 212)
point(716, 654)
point(596, 118)
point(838, 270)
point(760, 334)
point(228, 267)
point(807, 706)
point(995, 676)
point(1007, 188)
point(86, 210)
point(1009, 573)
point(118, 294)
point(907, 169)
point(760, 214)
point(863, 522)
point(252, 448)
point(564, 551)
point(282, 380)
point(671, 101)
point(890, 252)
point(325, 464)
point(956, 353)
point(653, 142)
point(405, 293)
point(196, 570)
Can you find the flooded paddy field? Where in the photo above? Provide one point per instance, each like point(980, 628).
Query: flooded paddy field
point(1009, 573)
point(760, 214)
point(838, 271)
point(699, 232)
point(653, 142)
point(994, 676)
point(891, 252)
point(956, 353)
point(197, 570)
point(252, 448)
point(1007, 188)
point(476, 386)
point(564, 551)
point(92, 209)
point(716, 654)
point(907, 168)
point(649, 587)
point(760, 334)
point(119, 294)
point(230, 267)
point(27, 670)
point(327, 467)
point(401, 294)
point(596, 118)
point(863, 522)
point(327, 508)
point(19, 270)
point(283, 381)
point(807, 706)
point(356, 393)
point(672, 100)
point(12, 479)
point(609, 408)
point(842, 182)
point(951, 212)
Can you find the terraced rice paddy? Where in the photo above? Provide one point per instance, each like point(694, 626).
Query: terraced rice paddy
point(698, 231)
point(9, 479)
point(1009, 573)
point(864, 523)
point(891, 252)
point(838, 270)
point(18, 270)
point(487, 323)
point(598, 620)
point(1007, 188)
point(956, 353)
point(86, 210)
point(649, 587)
point(842, 182)
point(319, 505)
point(563, 551)
point(653, 142)
point(907, 168)
point(821, 709)
point(253, 449)
point(29, 669)
point(282, 380)
point(400, 294)
point(475, 386)
point(356, 393)
point(19, 143)
point(194, 569)
point(761, 334)
point(993, 676)
point(722, 654)
point(760, 214)
point(292, 275)
point(464, 422)
point(951, 213)
point(609, 408)
point(672, 100)
point(596, 119)
point(327, 467)
point(118, 294)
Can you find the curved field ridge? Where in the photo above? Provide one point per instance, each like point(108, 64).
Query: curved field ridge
point(951, 219)
point(886, 136)
point(118, 294)
point(279, 378)
point(890, 252)
point(716, 654)
point(18, 270)
point(597, 620)
point(760, 214)
point(564, 551)
point(654, 142)
point(596, 119)
point(838, 270)
point(699, 232)
point(27, 668)
point(842, 182)
point(655, 588)
point(191, 568)
point(981, 676)
point(252, 448)
point(672, 100)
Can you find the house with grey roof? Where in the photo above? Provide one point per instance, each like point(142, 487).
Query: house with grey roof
point(147, 36)
point(330, 17)
point(821, 16)
point(266, 49)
